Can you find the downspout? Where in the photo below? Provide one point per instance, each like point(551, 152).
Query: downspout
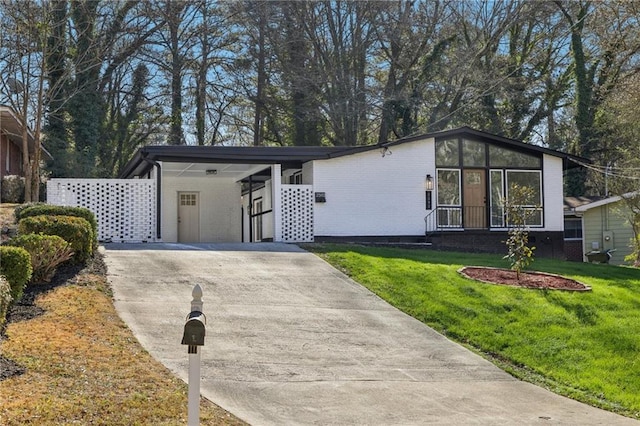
point(158, 196)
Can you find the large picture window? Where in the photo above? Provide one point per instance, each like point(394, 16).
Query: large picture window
point(450, 209)
point(531, 179)
point(448, 187)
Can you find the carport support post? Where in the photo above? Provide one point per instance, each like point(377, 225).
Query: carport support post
point(276, 201)
point(193, 406)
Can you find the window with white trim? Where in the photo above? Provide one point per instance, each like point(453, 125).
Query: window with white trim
point(531, 179)
point(449, 198)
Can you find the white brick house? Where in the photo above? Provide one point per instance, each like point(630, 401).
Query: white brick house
point(445, 184)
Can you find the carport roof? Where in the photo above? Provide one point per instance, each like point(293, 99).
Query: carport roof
point(288, 156)
point(294, 156)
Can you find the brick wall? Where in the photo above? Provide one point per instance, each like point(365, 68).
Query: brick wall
point(548, 244)
point(573, 250)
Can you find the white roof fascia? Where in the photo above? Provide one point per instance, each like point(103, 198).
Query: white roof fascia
point(605, 201)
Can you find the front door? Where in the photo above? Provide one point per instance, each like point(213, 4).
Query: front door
point(475, 199)
point(188, 217)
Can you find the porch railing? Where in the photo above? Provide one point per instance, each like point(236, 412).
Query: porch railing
point(456, 217)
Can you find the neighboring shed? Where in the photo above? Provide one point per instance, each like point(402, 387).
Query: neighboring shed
point(605, 226)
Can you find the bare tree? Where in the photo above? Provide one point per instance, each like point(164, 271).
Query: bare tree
point(23, 57)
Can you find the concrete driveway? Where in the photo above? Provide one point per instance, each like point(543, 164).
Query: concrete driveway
point(291, 340)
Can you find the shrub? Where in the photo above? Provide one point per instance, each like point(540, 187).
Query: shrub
point(5, 300)
point(51, 210)
point(12, 189)
point(75, 230)
point(17, 212)
point(47, 253)
point(15, 265)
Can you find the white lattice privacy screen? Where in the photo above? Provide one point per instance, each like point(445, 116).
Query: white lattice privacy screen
point(297, 213)
point(125, 209)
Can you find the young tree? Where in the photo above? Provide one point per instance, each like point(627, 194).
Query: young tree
point(518, 212)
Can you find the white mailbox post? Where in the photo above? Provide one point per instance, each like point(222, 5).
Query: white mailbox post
point(194, 332)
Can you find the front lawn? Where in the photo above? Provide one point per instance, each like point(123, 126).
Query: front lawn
point(585, 345)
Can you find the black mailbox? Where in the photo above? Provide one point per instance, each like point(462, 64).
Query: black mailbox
point(194, 329)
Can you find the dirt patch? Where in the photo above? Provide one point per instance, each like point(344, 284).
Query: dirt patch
point(26, 309)
point(533, 280)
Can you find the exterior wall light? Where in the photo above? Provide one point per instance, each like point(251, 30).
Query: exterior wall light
point(428, 186)
point(428, 183)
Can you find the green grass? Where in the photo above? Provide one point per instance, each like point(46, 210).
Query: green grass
point(585, 345)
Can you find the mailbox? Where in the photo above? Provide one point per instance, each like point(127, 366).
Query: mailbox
point(194, 329)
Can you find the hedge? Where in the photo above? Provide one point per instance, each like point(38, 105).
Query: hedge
point(75, 230)
point(17, 212)
point(5, 300)
point(16, 268)
point(47, 253)
point(51, 210)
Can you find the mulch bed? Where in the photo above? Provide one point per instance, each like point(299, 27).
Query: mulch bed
point(25, 309)
point(532, 280)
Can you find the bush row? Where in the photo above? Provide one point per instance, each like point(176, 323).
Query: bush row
point(75, 230)
point(48, 236)
point(47, 252)
point(38, 209)
point(5, 300)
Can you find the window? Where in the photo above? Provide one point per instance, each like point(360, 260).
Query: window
point(527, 179)
point(448, 187)
point(447, 153)
point(449, 205)
point(473, 154)
point(503, 167)
point(573, 228)
point(296, 178)
point(449, 217)
point(501, 157)
point(7, 159)
point(532, 180)
point(187, 199)
point(497, 199)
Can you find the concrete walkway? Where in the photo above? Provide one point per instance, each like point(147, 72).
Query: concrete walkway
point(290, 340)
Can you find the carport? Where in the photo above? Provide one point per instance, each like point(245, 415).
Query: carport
point(224, 194)
point(209, 194)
